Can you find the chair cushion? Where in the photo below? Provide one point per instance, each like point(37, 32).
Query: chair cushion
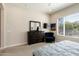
point(49, 34)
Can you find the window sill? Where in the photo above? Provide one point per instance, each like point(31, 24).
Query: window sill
point(69, 36)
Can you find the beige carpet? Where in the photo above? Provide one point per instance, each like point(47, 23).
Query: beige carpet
point(24, 50)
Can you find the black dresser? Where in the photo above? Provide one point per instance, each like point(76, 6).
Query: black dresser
point(35, 37)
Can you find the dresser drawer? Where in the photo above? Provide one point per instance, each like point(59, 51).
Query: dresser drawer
point(35, 36)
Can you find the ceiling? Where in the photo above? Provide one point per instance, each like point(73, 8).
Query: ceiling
point(43, 7)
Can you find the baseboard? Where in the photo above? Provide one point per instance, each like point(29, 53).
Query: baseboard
point(12, 45)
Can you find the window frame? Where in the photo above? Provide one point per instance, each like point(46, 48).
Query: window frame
point(63, 30)
point(58, 29)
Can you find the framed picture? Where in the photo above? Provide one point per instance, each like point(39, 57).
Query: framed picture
point(45, 25)
point(34, 25)
point(53, 26)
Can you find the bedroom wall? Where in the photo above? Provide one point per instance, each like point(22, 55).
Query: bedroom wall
point(0, 27)
point(67, 11)
point(17, 23)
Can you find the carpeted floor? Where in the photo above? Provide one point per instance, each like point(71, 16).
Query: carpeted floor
point(24, 50)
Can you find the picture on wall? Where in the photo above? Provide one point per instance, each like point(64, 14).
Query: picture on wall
point(45, 25)
point(53, 26)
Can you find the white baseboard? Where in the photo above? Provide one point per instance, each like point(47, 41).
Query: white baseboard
point(13, 45)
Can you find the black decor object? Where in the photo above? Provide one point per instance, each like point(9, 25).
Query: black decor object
point(35, 37)
point(53, 26)
point(45, 25)
point(37, 28)
point(49, 37)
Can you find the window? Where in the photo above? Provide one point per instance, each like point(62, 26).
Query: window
point(61, 26)
point(69, 25)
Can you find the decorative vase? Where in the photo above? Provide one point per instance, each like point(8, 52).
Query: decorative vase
point(37, 28)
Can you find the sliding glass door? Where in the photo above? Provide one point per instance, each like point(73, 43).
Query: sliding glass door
point(69, 25)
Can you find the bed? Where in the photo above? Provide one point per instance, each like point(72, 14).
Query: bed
point(63, 48)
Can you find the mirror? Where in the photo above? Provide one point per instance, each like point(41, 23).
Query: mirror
point(34, 25)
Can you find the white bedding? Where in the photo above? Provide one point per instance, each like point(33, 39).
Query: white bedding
point(63, 48)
